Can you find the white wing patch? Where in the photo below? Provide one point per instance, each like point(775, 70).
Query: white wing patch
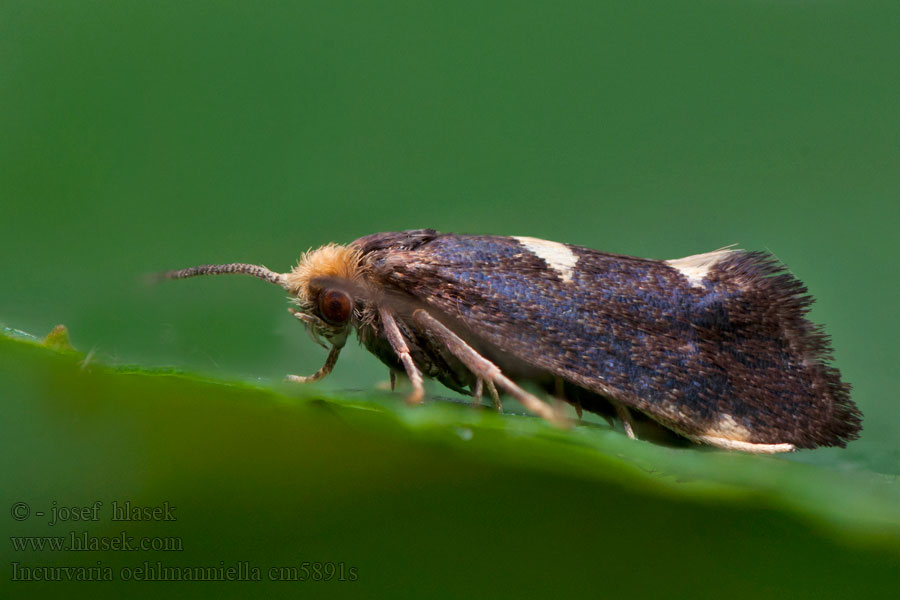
point(727, 433)
point(697, 266)
point(558, 257)
point(744, 446)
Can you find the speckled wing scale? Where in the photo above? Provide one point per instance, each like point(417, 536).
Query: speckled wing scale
point(714, 347)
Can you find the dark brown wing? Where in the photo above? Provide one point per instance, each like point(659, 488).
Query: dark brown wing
point(716, 345)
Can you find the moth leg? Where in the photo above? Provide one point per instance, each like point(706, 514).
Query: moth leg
point(417, 395)
point(559, 388)
point(476, 393)
point(560, 393)
point(495, 397)
point(325, 370)
point(625, 416)
point(393, 378)
point(482, 367)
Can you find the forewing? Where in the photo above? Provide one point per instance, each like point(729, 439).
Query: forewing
point(709, 347)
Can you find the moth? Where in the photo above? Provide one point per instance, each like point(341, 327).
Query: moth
point(715, 347)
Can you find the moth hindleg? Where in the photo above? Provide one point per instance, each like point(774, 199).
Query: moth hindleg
point(559, 388)
point(325, 370)
point(492, 389)
point(482, 367)
point(625, 416)
point(399, 345)
point(495, 397)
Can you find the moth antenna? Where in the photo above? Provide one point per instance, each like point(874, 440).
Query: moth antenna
point(240, 268)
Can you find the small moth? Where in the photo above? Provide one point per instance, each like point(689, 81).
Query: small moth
point(714, 347)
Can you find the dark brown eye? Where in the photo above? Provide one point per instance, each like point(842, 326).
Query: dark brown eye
point(335, 306)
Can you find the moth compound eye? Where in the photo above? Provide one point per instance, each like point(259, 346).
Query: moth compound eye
point(335, 306)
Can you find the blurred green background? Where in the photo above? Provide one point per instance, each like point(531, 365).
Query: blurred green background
point(142, 136)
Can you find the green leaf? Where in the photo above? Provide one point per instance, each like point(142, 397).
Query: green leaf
point(271, 476)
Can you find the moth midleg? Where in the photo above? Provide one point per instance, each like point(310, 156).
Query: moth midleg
point(325, 370)
point(417, 395)
point(482, 367)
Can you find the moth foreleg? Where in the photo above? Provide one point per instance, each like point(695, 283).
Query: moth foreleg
point(325, 370)
point(399, 345)
point(482, 367)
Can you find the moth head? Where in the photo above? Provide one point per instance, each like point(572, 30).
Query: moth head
point(325, 286)
point(329, 310)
